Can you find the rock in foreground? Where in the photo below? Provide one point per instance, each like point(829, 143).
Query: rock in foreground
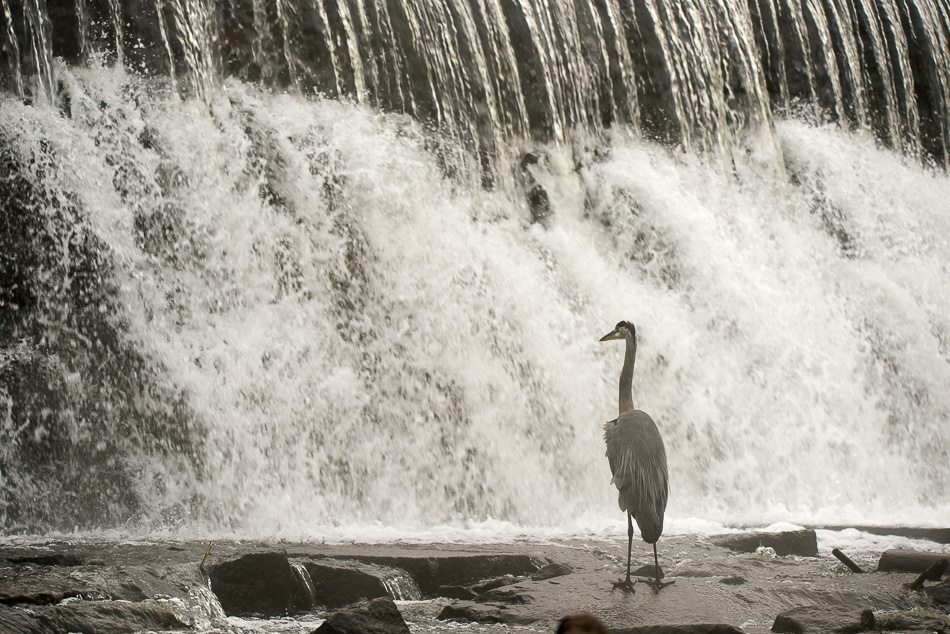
point(336, 584)
point(259, 584)
point(469, 611)
point(379, 616)
point(823, 620)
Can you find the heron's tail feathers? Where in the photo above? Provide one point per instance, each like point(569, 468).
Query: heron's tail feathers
point(649, 522)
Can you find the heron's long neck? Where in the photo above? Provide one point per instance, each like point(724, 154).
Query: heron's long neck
point(626, 376)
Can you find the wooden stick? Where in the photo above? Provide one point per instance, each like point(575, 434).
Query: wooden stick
point(846, 560)
point(930, 574)
point(201, 566)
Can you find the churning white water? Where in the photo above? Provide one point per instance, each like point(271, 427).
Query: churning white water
point(365, 339)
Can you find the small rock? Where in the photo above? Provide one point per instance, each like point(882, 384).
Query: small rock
point(823, 619)
point(457, 592)
point(490, 584)
point(507, 596)
point(550, 571)
point(379, 616)
point(647, 571)
point(468, 611)
point(482, 613)
point(733, 581)
point(803, 543)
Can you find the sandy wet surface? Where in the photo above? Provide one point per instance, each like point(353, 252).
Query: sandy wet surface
point(711, 584)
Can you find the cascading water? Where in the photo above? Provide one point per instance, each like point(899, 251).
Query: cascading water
point(231, 302)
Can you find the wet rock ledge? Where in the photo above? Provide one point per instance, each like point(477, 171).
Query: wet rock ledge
point(750, 582)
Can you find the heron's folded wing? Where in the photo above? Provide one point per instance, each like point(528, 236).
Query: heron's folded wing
point(637, 460)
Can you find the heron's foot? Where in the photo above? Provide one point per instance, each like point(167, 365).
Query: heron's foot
point(659, 585)
point(626, 585)
point(655, 583)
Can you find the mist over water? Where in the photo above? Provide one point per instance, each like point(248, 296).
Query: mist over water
point(360, 340)
point(304, 296)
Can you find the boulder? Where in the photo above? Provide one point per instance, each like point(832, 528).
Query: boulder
point(823, 619)
point(803, 543)
point(379, 616)
point(262, 584)
point(336, 584)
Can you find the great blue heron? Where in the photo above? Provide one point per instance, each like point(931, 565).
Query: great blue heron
point(637, 459)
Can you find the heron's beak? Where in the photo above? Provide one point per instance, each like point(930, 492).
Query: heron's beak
point(610, 336)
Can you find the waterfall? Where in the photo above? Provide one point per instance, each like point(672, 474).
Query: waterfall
point(320, 265)
point(695, 73)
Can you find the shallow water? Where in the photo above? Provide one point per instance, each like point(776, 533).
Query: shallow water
point(758, 585)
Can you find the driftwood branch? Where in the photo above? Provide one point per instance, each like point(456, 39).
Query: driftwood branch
point(930, 574)
point(846, 560)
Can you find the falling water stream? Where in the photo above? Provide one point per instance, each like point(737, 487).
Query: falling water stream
point(337, 267)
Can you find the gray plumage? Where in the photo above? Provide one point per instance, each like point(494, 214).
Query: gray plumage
point(638, 464)
point(637, 457)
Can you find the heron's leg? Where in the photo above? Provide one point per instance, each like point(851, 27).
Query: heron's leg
point(629, 543)
point(657, 584)
point(627, 585)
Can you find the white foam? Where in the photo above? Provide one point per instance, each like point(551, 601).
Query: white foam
point(377, 352)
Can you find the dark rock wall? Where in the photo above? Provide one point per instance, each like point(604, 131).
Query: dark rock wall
point(78, 399)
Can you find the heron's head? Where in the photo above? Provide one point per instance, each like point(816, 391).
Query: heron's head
point(623, 330)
